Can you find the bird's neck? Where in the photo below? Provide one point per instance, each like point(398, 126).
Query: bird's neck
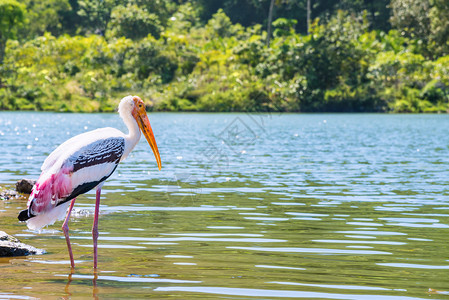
point(133, 136)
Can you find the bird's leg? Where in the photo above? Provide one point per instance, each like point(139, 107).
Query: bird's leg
point(65, 228)
point(95, 226)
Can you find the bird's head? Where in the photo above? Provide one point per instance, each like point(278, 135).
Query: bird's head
point(135, 106)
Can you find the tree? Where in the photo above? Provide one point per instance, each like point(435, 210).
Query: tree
point(95, 15)
point(412, 17)
point(378, 11)
point(185, 18)
point(133, 22)
point(426, 22)
point(220, 24)
point(45, 16)
point(12, 15)
point(439, 26)
point(332, 63)
point(287, 10)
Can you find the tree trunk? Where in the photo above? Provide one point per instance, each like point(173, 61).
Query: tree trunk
point(270, 20)
point(3, 41)
point(309, 12)
point(2, 56)
point(2, 53)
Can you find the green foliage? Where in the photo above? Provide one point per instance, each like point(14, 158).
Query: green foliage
point(44, 16)
point(146, 59)
point(95, 15)
point(439, 27)
point(425, 21)
point(185, 18)
point(284, 27)
point(220, 24)
point(84, 55)
point(12, 15)
point(133, 22)
point(412, 18)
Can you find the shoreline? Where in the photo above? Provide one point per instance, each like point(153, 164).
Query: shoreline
point(8, 191)
point(20, 190)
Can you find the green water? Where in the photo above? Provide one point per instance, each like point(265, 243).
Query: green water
point(316, 206)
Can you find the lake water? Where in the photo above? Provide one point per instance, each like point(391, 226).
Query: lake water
point(320, 206)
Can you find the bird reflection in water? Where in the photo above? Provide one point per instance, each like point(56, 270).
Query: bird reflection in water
point(66, 289)
point(67, 292)
point(94, 285)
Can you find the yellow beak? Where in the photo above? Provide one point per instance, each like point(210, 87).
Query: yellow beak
point(145, 127)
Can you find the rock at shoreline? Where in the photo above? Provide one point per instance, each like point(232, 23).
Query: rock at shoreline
point(6, 194)
point(25, 186)
point(10, 246)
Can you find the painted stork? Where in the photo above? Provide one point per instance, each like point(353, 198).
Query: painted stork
point(82, 163)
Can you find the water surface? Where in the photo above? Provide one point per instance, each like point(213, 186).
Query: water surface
point(318, 206)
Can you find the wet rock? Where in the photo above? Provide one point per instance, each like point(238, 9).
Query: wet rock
point(10, 246)
point(25, 186)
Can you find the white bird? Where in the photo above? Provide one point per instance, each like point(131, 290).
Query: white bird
point(82, 163)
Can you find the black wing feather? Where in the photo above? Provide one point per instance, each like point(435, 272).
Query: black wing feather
point(106, 150)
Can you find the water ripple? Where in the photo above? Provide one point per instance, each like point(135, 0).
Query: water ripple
point(311, 250)
point(247, 292)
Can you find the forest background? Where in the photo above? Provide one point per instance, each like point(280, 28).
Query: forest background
point(229, 55)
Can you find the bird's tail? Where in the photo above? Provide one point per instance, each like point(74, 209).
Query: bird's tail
point(24, 215)
point(46, 218)
point(44, 207)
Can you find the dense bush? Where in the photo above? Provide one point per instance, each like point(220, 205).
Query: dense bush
point(169, 54)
